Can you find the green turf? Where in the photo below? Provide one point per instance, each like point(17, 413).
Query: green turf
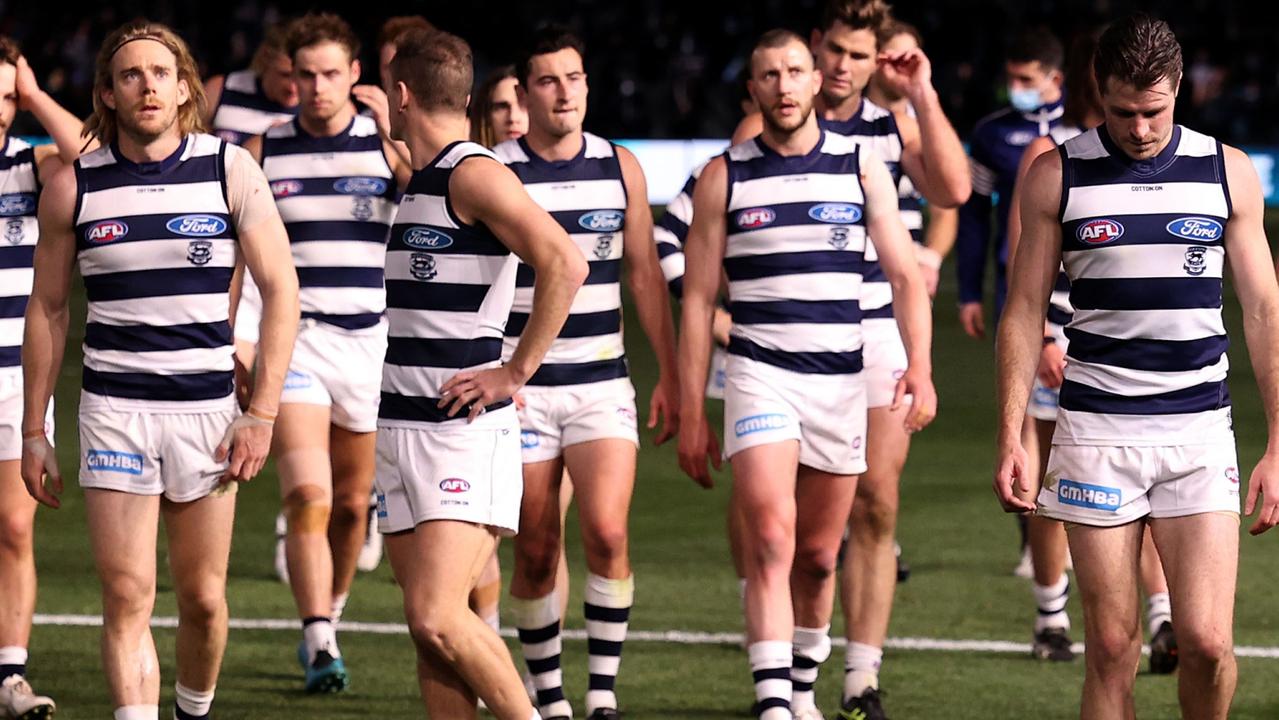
point(955, 537)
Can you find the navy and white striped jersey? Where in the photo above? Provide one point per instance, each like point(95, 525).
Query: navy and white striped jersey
point(19, 193)
point(449, 288)
point(336, 196)
point(244, 111)
point(875, 129)
point(671, 230)
point(1143, 244)
point(794, 254)
point(587, 197)
point(156, 246)
point(1059, 309)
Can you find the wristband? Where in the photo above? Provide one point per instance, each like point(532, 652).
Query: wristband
point(257, 414)
point(32, 434)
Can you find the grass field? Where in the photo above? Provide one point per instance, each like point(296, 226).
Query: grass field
point(959, 543)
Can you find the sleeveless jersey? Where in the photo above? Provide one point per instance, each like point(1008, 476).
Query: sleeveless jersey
point(671, 230)
point(244, 111)
point(19, 193)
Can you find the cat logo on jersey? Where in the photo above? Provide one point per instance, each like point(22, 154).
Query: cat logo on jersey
point(838, 238)
point(200, 252)
point(604, 247)
point(1100, 232)
point(1195, 261)
point(106, 231)
point(422, 266)
point(13, 230)
point(752, 218)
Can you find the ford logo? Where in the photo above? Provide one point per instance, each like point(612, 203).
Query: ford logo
point(837, 213)
point(106, 231)
point(752, 218)
point(360, 186)
point(602, 220)
point(424, 238)
point(197, 225)
point(1195, 228)
point(17, 204)
point(1099, 232)
point(285, 188)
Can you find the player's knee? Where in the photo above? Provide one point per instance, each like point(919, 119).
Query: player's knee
point(1205, 646)
point(604, 539)
point(126, 596)
point(770, 542)
point(537, 558)
point(816, 562)
point(201, 606)
point(434, 631)
point(306, 508)
point(349, 509)
point(874, 513)
point(15, 531)
point(1114, 646)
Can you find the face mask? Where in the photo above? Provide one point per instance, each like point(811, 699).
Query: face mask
point(1025, 100)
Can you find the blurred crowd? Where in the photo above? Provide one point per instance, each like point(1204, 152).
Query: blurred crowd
point(670, 68)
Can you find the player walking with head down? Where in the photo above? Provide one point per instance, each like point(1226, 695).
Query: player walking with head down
point(155, 220)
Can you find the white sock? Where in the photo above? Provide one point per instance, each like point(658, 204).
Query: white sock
point(137, 712)
point(1158, 610)
point(770, 668)
point(607, 608)
point(13, 655)
point(339, 606)
point(192, 702)
point(318, 636)
point(812, 647)
point(537, 622)
point(1051, 602)
point(861, 668)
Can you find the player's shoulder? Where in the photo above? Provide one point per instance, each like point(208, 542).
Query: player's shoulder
point(991, 125)
point(744, 151)
point(598, 147)
point(510, 151)
point(243, 81)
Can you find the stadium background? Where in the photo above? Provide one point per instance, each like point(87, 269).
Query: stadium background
point(667, 70)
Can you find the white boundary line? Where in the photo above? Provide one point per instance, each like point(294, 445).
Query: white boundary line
point(677, 637)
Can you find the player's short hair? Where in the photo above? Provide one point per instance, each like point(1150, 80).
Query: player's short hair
point(436, 67)
point(1139, 50)
point(9, 50)
point(315, 28)
point(102, 122)
point(894, 27)
point(273, 45)
point(1036, 44)
point(1081, 96)
point(482, 105)
point(397, 27)
point(547, 39)
point(856, 14)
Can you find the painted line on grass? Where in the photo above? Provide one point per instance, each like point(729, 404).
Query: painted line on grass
point(676, 637)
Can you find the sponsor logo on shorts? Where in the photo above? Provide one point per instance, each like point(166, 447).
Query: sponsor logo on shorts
point(1085, 495)
point(529, 440)
point(197, 225)
point(602, 220)
point(425, 238)
point(297, 380)
point(454, 485)
point(360, 186)
point(1100, 232)
point(285, 188)
point(17, 204)
point(1044, 397)
point(836, 213)
point(106, 231)
point(752, 218)
point(1232, 475)
point(627, 415)
point(114, 461)
point(857, 443)
point(1195, 228)
point(1196, 263)
point(381, 506)
point(760, 423)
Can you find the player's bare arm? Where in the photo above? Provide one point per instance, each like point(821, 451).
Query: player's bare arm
point(45, 335)
point(1021, 329)
point(489, 193)
point(647, 284)
point(704, 253)
point(932, 154)
point(1248, 252)
point(910, 298)
point(212, 95)
point(56, 120)
point(749, 127)
point(397, 153)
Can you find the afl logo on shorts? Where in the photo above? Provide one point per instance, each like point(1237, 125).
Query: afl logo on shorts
point(1196, 228)
point(602, 220)
point(200, 252)
point(285, 188)
point(455, 485)
point(1099, 232)
point(197, 225)
point(106, 231)
point(752, 218)
point(1195, 262)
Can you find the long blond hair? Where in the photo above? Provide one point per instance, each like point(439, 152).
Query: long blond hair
point(102, 123)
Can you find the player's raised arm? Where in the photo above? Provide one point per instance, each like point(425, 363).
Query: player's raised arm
point(488, 193)
point(932, 154)
point(56, 120)
point(1021, 329)
point(910, 298)
point(45, 334)
point(704, 253)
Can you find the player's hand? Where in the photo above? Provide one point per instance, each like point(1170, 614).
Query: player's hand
point(1012, 482)
point(929, 268)
point(518, 399)
point(243, 383)
point(1264, 483)
point(923, 408)
point(972, 319)
point(664, 404)
point(40, 471)
point(478, 389)
point(721, 324)
point(908, 72)
point(245, 444)
point(25, 84)
point(374, 98)
point(1052, 365)
point(697, 442)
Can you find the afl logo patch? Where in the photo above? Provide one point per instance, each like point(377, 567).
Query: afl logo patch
point(360, 186)
point(752, 218)
point(1099, 232)
point(602, 220)
point(424, 238)
point(837, 213)
point(197, 225)
point(1195, 261)
point(454, 485)
point(106, 231)
point(1196, 228)
point(285, 188)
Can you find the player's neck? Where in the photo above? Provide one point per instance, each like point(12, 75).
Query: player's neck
point(320, 127)
point(799, 141)
point(552, 148)
point(148, 150)
point(877, 96)
point(841, 112)
point(427, 135)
